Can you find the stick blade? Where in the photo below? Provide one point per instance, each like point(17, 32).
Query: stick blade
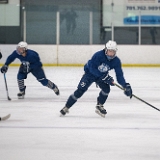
point(5, 117)
point(9, 99)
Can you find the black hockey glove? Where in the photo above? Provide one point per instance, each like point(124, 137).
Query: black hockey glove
point(4, 68)
point(107, 79)
point(0, 55)
point(128, 90)
point(24, 67)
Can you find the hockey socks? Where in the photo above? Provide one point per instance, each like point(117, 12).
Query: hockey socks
point(21, 84)
point(22, 89)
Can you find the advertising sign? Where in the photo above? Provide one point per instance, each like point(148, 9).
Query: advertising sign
point(131, 12)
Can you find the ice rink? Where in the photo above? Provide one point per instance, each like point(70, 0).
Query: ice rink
point(35, 130)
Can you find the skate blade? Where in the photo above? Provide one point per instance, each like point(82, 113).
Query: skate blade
point(22, 97)
point(62, 115)
point(100, 114)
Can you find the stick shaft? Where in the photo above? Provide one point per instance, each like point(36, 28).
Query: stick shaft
point(137, 97)
point(145, 102)
point(6, 86)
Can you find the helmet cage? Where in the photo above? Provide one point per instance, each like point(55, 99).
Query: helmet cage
point(112, 47)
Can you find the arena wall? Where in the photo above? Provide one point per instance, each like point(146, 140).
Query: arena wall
point(78, 55)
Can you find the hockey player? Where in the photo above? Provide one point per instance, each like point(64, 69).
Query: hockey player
point(7, 116)
point(30, 62)
point(97, 70)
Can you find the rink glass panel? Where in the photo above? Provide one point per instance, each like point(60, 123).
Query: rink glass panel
point(36, 22)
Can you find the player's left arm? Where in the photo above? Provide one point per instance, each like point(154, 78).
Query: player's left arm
point(9, 60)
point(121, 80)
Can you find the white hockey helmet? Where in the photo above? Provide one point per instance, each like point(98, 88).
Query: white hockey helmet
point(21, 45)
point(112, 46)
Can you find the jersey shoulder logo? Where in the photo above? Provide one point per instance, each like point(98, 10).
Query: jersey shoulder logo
point(103, 67)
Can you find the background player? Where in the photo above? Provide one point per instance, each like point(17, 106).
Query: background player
point(30, 62)
point(97, 70)
point(7, 116)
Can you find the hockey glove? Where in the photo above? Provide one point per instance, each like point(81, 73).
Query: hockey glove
point(4, 68)
point(0, 55)
point(128, 90)
point(107, 79)
point(24, 67)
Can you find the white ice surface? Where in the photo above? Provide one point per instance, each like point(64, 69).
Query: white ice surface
point(35, 131)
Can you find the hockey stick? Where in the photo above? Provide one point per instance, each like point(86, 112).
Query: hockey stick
point(6, 87)
point(5, 117)
point(137, 97)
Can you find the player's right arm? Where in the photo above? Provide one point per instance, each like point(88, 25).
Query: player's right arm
point(9, 60)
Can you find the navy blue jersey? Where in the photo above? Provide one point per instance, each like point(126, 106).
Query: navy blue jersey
point(99, 65)
point(31, 57)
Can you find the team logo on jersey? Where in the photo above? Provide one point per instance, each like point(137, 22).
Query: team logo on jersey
point(26, 66)
point(103, 67)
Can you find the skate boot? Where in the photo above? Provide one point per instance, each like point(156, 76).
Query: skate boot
point(100, 110)
point(21, 95)
point(64, 111)
point(56, 90)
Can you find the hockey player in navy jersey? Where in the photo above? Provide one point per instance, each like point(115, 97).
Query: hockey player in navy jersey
point(30, 63)
point(7, 116)
point(97, 70)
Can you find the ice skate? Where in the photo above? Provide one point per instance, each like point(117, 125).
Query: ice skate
point(64, 111)
point(100, 110)
point(56, 90)
point(21, 95)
